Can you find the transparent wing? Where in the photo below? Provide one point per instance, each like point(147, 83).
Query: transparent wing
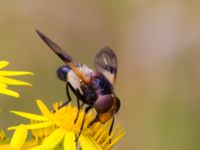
point(105, 61)
point(65, 57)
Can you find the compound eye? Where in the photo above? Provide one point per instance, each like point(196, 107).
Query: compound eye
point(103, 103)
point(117, 104)
point(62, 73)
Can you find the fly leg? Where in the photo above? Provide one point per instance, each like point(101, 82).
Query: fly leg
point(67, 92)
point(96, 119)
point(79, 108)
point(111, 127)
point(78, 104)
point(68, 96)
point(82, 124)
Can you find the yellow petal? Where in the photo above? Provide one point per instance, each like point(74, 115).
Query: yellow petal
point(30, 116)
point(39, 148)
point(54, 138)
point(88, 143)
point(14, 73)
point(9, 92)
point(3, 64)
point(34, 126)
point(2, 85)
point(43, 108)
point(3, 138)
point(116, 139)
point(19, 137)
point(13, 81)
point(69, 141)
point(6, 147)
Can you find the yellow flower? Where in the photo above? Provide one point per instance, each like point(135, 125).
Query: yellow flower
point(3, 138)
point(5, 80)
point(57, 129)
point(17, 140)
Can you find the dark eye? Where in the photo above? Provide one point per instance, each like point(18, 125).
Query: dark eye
point(117, 104)
point(103, 103)
point(62, 72)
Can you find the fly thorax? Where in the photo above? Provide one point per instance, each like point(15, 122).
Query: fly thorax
point(89, 93)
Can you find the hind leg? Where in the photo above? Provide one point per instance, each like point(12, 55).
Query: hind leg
point(68, 97)
point(78, 105)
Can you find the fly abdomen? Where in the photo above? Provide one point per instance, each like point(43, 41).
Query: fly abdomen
point(62, 72)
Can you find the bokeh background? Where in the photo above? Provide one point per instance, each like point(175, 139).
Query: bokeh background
point(158, 47)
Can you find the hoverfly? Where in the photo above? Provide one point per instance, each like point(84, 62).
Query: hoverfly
point(93, 87)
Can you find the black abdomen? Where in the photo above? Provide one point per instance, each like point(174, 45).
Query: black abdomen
point(62, 72)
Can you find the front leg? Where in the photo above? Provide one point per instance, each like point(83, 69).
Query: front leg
point(111, 127)
point(96, 119)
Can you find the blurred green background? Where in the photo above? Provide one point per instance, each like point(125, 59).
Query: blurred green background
point(158, 47)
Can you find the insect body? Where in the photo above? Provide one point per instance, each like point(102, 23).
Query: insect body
point(94, 88)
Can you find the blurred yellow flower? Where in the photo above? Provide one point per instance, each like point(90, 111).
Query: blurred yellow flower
point(58, 127)
point(5, 80)
point(3, 138)
point(17, 140)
